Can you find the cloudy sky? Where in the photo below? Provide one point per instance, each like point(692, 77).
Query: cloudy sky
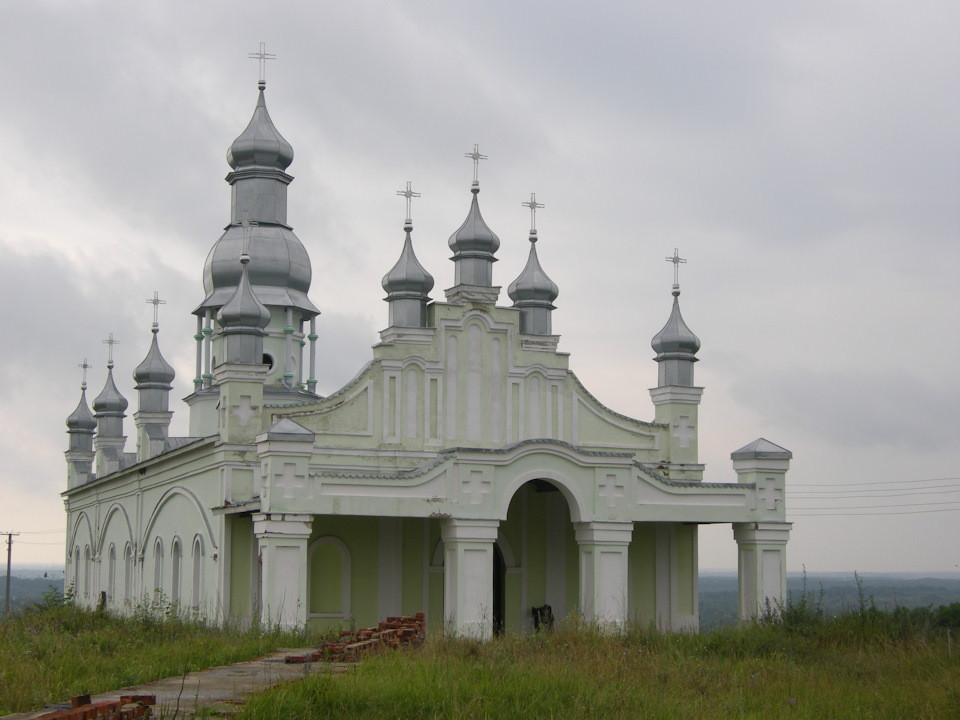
point(803, 157)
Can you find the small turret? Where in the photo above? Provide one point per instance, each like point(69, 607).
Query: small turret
point(81, 426)
point(153, 378)
point(408, 284)
point(109, 408)
point(533, 292)
point(474, 246)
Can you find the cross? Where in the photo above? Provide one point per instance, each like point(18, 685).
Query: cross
point(676, 260)
point(247, 224)
point(262, 56)
point(476, 487)
point(476, 157)
point(110, 342)
point(409, 195)
point(770, 494)
point(288, 481)
point(611, 490)
point(684, 432)
point(533, 205)
point(84, 366)
point(244, 411)
point(156, 302)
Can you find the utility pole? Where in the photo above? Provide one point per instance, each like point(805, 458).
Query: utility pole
point(6, 604)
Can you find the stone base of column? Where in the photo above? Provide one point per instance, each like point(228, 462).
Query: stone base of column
point(603, 571)
point(282, 539)
point(762, 566)
point(468, 577)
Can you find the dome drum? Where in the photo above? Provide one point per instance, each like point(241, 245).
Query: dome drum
point(262, 195)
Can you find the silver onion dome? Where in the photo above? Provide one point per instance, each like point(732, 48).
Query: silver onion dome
point(408, 278)
point(154, 370)
point(82, 418)
point(675, 339)
point(474, 237)
point(244, 309)
point(109, 401)
point(533, 285)
point(261, 144)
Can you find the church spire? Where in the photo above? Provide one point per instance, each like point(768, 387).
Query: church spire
point(533, 292)
point(474, 246)
point(676, 345)
point(408, 284)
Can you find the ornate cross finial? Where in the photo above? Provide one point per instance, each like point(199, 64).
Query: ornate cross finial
point(247, 223)
point(156, 302)
point(84, 366)
point(409, 194)
point(533, 205)
point(262, 56)
point(476, 157)
point(110, 342)
point(676, 260)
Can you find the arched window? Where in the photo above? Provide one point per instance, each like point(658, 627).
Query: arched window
point(127, 574)
point(197, 569)
point(157, 571)
point(328, 579)
point(176, 553)
point(76, 570)
point(87, 568)
point(111, 572)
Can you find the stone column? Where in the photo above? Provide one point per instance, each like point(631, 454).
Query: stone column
point(603, 571)
point(282, 540)
point(762, 566)
point(468, 576)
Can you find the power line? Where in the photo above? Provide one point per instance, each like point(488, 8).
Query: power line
point(848, 513)
point(879, 482)
point(871, 507)
point(862, 494)
point(41, 532)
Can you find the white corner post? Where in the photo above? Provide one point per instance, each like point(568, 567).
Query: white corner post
point(282, 540)
point(603, 571)
point(468, 577)
point(761, 566)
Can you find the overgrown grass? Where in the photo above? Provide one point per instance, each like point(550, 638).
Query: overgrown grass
point(849, 667)
point(56, 650)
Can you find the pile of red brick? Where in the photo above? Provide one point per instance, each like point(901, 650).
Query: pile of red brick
point(396, 631)
point(126, 708)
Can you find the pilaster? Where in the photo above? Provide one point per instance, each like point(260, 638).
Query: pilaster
point(678, 407)
point(282, 539)
point(284, 451)
point(241, 401)
point(761, 566)
point(603, 571)
point(468, 576)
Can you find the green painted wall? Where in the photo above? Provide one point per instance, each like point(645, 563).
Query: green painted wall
point(685, 565)
point(241, 565)
point(415, 535)
point(642, 574)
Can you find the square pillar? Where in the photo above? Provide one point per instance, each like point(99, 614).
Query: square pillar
point(282, 539)
point(603, 571)
point(468, 576)
point(762, 565)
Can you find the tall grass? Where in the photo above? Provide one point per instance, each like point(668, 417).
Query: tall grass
point(847, 667)
point(56, 650)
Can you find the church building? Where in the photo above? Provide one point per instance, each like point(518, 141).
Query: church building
point(464, 472)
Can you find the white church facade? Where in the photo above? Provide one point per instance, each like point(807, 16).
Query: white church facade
point(465, 472)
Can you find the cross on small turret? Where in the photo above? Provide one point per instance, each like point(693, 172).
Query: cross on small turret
point(409, 194)
point(156, 302)
point(476, 157)
point(110, 342)
point(84, 366)
point(533, 205)
point(676, 260)
point(262, 56)
point(247, 224)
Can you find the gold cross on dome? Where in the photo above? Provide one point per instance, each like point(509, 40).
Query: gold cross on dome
point(262, 56)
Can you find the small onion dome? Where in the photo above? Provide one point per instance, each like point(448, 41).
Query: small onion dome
point(244, 309)
point(408, 278)
point(260, 145)
point(474, 237)
point(675, 337)
point(109, 401)
point(154, 370)
point(82, 418)
point(533, 285)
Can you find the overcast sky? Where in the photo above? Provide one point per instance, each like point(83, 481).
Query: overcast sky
point(803, 157)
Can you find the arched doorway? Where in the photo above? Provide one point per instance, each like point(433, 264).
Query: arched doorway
point(499, 590)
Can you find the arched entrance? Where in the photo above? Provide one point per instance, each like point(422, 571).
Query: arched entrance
point(539, 530)
point(499, 590)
